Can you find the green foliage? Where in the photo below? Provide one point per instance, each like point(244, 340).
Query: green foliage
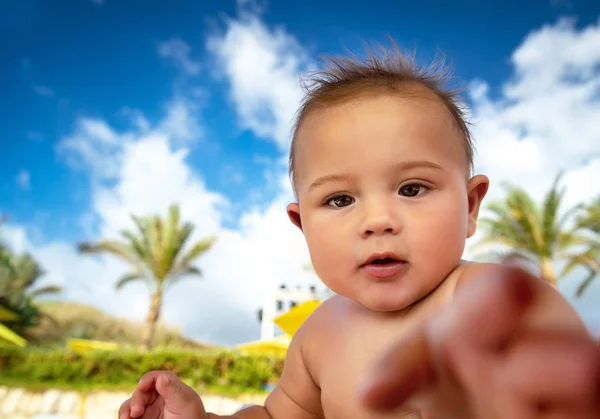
point(155, 250)
point(536, 233)
point(156, 253)
point(110, 370)
point(19, 274)
point(589, 257)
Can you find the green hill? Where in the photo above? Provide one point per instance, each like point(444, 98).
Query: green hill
point(66, 320)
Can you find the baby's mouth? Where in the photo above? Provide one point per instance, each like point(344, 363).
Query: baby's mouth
point(382, 266)
point(384, 261)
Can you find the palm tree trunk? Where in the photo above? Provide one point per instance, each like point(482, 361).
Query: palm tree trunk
point(548, 274)
point(152, 319)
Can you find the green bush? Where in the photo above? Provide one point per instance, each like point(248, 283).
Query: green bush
point(111, 370)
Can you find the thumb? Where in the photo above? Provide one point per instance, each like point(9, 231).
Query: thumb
point(176, 394)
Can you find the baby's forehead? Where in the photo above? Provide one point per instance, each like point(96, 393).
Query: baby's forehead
point(370, 112)
point(419, 98)
point(326, 123)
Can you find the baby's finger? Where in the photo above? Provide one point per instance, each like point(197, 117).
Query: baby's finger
point(148, 380)
point(125, 409)
point(403, 370)
point(487, 310)
point(145, 393)
point(176, 394)
point(557, 370)
point(141, 399)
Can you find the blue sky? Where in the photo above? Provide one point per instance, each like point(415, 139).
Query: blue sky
point(117, 106)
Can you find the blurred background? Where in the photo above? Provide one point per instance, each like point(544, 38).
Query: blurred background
point(143, 171)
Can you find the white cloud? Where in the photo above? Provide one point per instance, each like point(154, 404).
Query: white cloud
point(263, 67)
point(93, 147)
point(153, 175)
point(43, 90)
point(178, 51)
point(549, 114)
point(545, 121)
point(24, 180)
point(181, 122)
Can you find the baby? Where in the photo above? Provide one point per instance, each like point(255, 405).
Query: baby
point(381, 163)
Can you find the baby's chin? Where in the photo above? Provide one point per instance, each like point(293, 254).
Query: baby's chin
point(389, 302)
point(387, 306)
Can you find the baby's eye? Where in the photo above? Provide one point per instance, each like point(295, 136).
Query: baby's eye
point(340, 201)
point(412, 190)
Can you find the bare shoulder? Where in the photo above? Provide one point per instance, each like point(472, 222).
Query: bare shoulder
point(298, 394)
point(549, 309)
point(320, 328)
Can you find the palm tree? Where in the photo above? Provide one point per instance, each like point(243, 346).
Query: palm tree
point(589, 258)
point(536, 234)
point(18, 276)
point(156, 255)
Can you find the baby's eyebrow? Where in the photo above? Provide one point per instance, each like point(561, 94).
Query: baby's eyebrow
point(408, 165)
point(328, 178)
point(402, 166)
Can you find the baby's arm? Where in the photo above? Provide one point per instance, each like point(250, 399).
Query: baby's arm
point(162, 394)
point(296, 396)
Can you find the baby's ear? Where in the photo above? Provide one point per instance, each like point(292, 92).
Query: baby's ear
point(477, 189)
point(293, 212)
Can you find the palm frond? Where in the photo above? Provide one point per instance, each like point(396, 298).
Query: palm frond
point(590, 218)
point(189, 271)
point(170, 245)
point(136, 244)
point(143, 226)
point(156, 245)
point(197, 249)
point(127, 278)
point(549, 216)
point(589, 258)
point(514, 221)
point(50, 289)
point(586, 283)
point(113, 247)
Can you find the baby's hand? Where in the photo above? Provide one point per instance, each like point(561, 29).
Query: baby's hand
point(161, 395)
point(479, 359)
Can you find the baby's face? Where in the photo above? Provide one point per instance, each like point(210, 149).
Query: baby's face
point(384, 177)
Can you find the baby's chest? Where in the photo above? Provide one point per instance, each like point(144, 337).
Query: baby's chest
point(344, 369)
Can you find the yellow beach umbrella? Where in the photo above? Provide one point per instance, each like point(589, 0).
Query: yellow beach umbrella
point(276, 347)
point(9, 336)
point(6, 314)
point(6, 334)
point(85, 345)
point(291, 320)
